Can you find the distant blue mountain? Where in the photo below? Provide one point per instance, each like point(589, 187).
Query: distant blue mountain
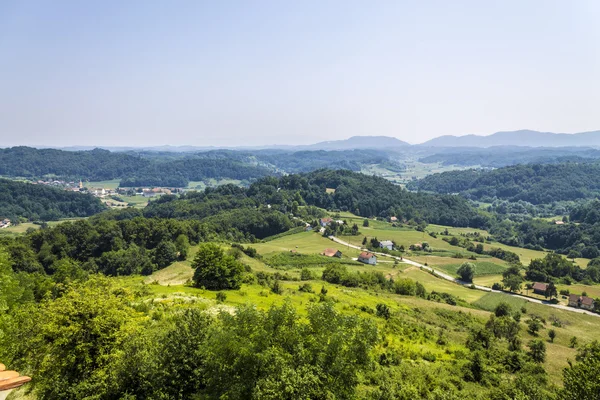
point(519, 138)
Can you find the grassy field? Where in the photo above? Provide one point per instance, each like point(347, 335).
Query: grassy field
point(481, 268)
point(111, 184)
point(22, 228)
point(303, 242)
point(137, 201)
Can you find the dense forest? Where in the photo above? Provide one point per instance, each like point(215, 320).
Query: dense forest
point(363, 195)
point(534, 183)
point(31, 202)
point(178, 169)
point(306, 161)
point(497, 157)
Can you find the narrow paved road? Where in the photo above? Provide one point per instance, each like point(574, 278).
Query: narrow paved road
point(450, 278)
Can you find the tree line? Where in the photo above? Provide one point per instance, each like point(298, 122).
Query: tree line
point(25, 201)
point(533, 183)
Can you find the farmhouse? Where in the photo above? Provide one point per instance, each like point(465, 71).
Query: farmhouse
point(5, 223)
point(367, 258)
point(587, 303)
point(540, 288)
point(332, 253)
point(393, 219)
point(386, 244)
point(325, 221)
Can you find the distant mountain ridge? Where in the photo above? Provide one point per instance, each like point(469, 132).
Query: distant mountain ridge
point(523, 138)
point(352, 143)
point(520, 138)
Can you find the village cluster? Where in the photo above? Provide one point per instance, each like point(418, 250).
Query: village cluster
point(102, 192)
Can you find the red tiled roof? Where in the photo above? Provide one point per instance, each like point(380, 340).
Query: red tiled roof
point(540, 286)
point(365, 254)
point(329, 252)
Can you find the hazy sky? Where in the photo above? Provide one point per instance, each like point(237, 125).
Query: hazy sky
point(141, 73)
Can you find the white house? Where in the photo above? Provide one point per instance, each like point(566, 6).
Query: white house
point(386, 244)
point(5, 223)
point(367, 258)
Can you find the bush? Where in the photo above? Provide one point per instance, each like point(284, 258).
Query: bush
point(306, 288)
point(383, 311)
point(466, 271)
point(406, 287)
point(221, 297)
point(502, 309)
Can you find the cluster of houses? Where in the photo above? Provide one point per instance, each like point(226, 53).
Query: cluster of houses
point(575, 300)
point(103, 192)
point(5, 223)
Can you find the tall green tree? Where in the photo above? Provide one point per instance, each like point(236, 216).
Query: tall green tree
point(215, 270)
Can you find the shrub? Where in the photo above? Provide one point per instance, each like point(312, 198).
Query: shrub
point(383, 311)
point(466, 271)
point(221, 297)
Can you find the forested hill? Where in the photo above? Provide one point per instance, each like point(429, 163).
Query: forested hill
point(497, 157)
point(95, 165)
point(36, 202)
point(178, 169)
point(534, 183)
point(364, 195)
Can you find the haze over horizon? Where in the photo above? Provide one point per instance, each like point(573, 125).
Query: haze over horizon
point(209, 74)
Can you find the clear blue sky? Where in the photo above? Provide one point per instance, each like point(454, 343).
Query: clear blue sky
point(231, 73)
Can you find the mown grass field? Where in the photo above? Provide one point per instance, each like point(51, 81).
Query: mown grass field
point(110, 184)
point(303, 242)
point(137, 201)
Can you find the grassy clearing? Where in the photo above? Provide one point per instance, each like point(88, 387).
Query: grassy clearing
point(303, 242)
point(432, 283)
point(111, 184)
point(455, 231)
point(481, 268)
point(137, 201)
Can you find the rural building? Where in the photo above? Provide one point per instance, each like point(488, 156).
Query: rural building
point(332, 253)
point(393, 219)
point(155, 192)
point(308, 228)
point(540, 288)
point(386, 244)
point(325, 221)
point(559, 222)
point(587, 303)
point(367, 258)
point(5, 223)
point(416, 246)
